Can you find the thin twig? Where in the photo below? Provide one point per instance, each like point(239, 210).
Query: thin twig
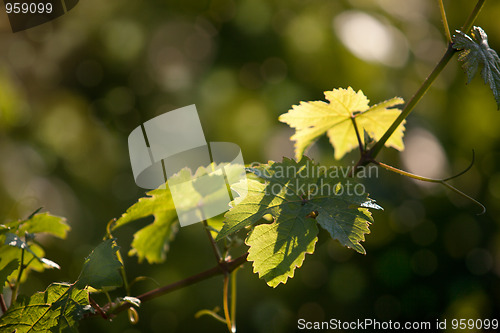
point(98, 308)
point(15, 290)
point(123, 273)
point(360, 144)
point(445, 21)
point(225, 303)
point(221, 268)
point(3, 306)
point(233, 299)
point(211, 313)
point(473, 16)
point(352, 173)
point(215, 248)
point(465, 170)
point(34, 213)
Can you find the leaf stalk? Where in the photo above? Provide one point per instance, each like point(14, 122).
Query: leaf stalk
point(445, 21)
point(225, 302)
point(15, 290)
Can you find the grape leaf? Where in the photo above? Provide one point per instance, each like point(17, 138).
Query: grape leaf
point(313, 119)
point(151, 242)
point(11, 242)
point(58, 309)
point(297, 195)
point(40, 223)
point(45, 223)
point(62, 305)
point(100, 268)
point(475, 52)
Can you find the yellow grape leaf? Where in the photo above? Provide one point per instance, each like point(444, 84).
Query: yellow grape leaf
point(313, 119)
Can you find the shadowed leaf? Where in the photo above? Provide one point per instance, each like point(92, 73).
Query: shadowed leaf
point(101, 267)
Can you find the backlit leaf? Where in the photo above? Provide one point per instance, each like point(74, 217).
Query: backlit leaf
point(151, 242)
point(18, 235)
point(45, 223)
point(313, 119)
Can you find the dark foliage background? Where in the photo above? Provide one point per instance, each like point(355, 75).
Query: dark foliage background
point(72, 90)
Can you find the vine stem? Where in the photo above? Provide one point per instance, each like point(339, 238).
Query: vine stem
point(215, 248)
point(230, 310)
point(473, 16)
point(123, 273)
point(362, 151)
point(3, 306)
point(450, 51)
point(211, 313)
point(221, 260)
point(445, 21)
point(15, 290)
point(225, 302)
point(233, 299)
point(97, 308)
point(220, 269)
point(360, 144)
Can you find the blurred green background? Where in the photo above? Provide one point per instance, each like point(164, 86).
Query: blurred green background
point(73, 89)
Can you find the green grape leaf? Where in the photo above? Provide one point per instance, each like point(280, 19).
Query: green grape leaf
point(276, 249)
point(296, 195)
point(101, 267)
point(152, 242)
point(40, 223)
point(58, 309)
point(474, 53)
point(45, 223)
point(7, 270)
point(313, 119)
point(11, 243)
